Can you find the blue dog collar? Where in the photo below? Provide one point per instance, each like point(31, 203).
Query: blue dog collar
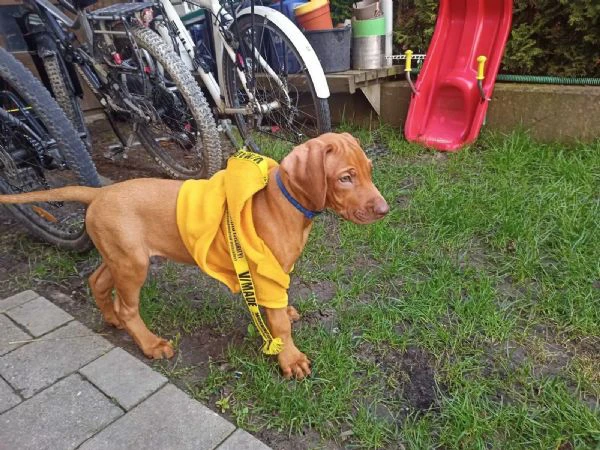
point(307, 212)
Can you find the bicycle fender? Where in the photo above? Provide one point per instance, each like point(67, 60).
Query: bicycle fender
point(313, 65)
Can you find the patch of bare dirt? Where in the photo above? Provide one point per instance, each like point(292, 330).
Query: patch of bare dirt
point(137, 163)
point(549, 359)
point(376, 150)
point(434, 157)
point(407, 186)
point(322, 291)
point(475, 256)
point(549, 352)
point(308, 440)
point(410, 376)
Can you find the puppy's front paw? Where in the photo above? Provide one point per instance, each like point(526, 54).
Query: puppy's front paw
point(293, 363)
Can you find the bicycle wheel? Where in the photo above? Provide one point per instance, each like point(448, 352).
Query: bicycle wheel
point(39, 149)
point(182, 136)
point(300, 114)
point(66, 99)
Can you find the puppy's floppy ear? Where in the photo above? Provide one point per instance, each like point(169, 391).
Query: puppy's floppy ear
point(352, 137)
point(304, 169)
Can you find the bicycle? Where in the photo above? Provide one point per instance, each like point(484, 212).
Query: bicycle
point(136, 78)
point(268, 77)
point(40, 149)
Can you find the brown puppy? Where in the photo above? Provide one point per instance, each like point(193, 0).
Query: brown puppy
point(131, 221)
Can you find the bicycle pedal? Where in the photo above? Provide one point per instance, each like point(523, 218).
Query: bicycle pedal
point(116, 152)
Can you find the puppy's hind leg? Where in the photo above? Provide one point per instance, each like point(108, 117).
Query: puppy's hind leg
point(293, 314)
point(129, 276)
point(101, 285)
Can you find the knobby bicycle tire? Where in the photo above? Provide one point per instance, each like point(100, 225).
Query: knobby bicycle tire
point(66, 99)
point(196, 102)
point(78, 160)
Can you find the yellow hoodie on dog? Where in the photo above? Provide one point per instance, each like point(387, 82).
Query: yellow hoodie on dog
point(201, 206)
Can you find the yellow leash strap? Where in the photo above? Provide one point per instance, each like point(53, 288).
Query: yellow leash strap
point(271, 346)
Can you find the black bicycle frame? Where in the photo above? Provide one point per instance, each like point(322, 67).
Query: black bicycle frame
point(50, 38)
point(28, 125)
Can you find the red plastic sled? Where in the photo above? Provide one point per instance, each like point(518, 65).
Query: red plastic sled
point(447, 112)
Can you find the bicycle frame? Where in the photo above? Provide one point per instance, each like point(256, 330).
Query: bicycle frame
point(216, 88)
point(186, 50)
point(55, 36)
point(53, 20)
point(173, 32)
point(28, 125)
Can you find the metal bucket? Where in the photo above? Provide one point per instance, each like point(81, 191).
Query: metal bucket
point(368, 52)
point(366, 9)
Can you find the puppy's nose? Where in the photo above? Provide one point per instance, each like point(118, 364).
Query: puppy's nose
point(381, 207)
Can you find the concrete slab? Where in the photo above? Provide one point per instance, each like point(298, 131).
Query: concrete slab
point(9, 332)
point(16, 300)
point(242, 440)
point(39, 316)
point(542, 109)
point(123, 377)
point(168, 419)
point(61, 417)
point(39, 364)
point(8, 398)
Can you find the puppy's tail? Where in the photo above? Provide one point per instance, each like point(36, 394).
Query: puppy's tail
point(81, 194)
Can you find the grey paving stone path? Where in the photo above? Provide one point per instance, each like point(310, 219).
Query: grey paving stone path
point(63, 386)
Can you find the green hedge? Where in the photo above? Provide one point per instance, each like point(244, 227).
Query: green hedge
point(549, 37)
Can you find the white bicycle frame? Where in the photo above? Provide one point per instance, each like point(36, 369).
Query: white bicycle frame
point(217, 88)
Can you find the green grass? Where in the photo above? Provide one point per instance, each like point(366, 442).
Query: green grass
point(468, 318)
point(482, 250)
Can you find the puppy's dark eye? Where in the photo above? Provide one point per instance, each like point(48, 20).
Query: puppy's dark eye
point(346, 179)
